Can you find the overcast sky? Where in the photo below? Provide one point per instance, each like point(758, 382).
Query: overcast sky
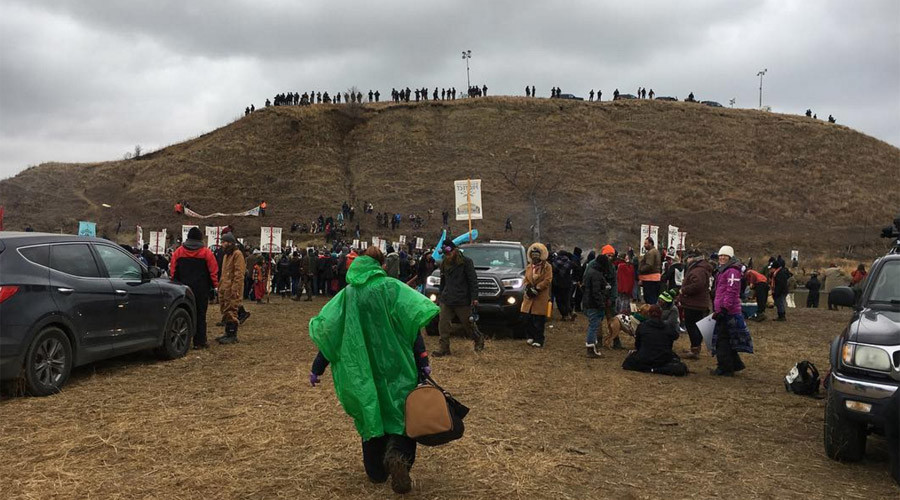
point(87, 80)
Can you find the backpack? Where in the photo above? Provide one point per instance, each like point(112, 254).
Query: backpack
point(803, 379)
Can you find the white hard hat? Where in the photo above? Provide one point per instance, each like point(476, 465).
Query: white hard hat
point(726, 250)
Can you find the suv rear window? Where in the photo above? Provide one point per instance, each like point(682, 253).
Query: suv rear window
point(75, 259)
point(38, 255)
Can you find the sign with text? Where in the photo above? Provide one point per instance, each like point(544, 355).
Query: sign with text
point(672, 242)
point(419, 243)
point(468, 199)
point(86, 228)
point(214, 235)
point(157, 243)
point(270, 239)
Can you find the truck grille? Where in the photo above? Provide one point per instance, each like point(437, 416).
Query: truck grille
point(488, 287)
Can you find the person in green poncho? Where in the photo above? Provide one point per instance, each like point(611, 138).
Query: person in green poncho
point(370, 334)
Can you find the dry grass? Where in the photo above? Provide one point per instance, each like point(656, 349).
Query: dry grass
point(762, 182)
point(241, 422)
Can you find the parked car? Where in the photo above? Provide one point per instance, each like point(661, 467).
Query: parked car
point(69, 300)
point(624, 96)
point(666, 98)
point(570, 96)
point(713, 104)
point(862, 387)
point(500, 267)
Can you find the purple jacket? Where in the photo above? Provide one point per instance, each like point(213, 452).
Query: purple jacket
point(728, 290)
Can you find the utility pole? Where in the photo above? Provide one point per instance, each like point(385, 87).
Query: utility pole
point(467, 54)
point(760, 75)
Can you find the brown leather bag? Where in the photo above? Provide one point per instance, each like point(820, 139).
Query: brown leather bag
point(433, 416)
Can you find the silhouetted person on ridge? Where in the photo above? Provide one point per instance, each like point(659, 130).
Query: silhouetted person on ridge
point(377, 95)
point(831, 119)
point(268, 103)
point(252, 108)
point(527, 91)
point(599, 94)
point(809, 113)
point(591, 94)
point(484, 90)
point(247, 111)
point(359, 97)
point(616, 95)
point(651, 94)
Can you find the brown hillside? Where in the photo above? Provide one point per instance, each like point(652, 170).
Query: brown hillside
point(762, 182)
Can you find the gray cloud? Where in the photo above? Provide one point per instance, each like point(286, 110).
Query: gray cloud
point(87, 80)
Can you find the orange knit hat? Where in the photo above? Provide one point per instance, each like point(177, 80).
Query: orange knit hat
point(607, 250)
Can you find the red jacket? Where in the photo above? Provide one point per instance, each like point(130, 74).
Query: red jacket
point(202, 253)
point(625, 278)
point(754, 277)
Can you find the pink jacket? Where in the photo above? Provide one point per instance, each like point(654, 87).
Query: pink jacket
point(728, 290)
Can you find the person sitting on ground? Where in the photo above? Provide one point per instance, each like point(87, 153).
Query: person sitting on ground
point(653, 341)
point(375, 315)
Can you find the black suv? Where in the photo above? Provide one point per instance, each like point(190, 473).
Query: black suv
point(862, 387)
point(69, 300)
point(500, 266)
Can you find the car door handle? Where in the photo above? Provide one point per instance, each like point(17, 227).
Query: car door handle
point(121, 293)
point(65, 290)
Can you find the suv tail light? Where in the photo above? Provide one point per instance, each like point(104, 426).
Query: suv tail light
point(7, 291)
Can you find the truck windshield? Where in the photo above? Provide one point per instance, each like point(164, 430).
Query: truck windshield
point(886, 288)
point(495, 257)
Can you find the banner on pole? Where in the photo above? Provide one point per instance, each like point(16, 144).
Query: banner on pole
point(214, 235)
point(672, 242)
point(184, 232)
point(253, 212)
point(382, 245)
point(157, 243)
point(270, 239)
point(654, 233)
point(468, 201)
point(363, 245)
point(355, 243)
point(375, 240)
point(795, 255)
point(682, 236)
point(645, 233)
point(419, 243)
point(402, 239)
point(86, 228)
point(140, 237)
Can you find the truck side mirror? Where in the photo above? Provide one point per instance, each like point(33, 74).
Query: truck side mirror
point(843, 296)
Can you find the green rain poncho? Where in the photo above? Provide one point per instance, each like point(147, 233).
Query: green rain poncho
point(367, 333)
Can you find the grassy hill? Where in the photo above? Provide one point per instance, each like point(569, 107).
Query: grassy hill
point(759, 181)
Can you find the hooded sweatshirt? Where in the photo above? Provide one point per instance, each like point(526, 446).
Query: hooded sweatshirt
point(195, 265)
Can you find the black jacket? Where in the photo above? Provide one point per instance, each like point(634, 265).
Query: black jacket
point(781, 282)
point(814, 285)
point(563, 273)
point(597, 289)
point(459, 283)
point(653, 341)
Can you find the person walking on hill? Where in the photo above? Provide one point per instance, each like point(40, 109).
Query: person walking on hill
point(458, 297)
point(650, 272)
point(370, 333)
point(231, 287)
point(694, 299)
point(194, 265)
point(538, 280)
point(731, 335)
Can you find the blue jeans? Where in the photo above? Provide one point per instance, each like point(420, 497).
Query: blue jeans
point(780, 304)
point(595, 316)
point(295, 286)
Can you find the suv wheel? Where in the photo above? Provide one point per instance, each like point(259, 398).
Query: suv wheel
point(48, 362)
point(177, 337)
point(845, 440)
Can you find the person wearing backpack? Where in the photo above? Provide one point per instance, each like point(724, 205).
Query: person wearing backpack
point(370, 334)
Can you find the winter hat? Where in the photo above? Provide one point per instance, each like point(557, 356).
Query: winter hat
point(195, 234)
point(665, 297)
point(727, 250)
point(229, 237)
point(448, 244)
point(607, 250)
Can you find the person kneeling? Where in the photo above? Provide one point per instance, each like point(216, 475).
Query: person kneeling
point(653, 347)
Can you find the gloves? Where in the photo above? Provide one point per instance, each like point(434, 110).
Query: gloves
point(608, 286)
point(313, 379)
point(426, 370)
point(531, 291)
point(721, 314)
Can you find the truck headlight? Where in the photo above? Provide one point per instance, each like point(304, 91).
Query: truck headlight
point(513, 283)
point(432, 297)
point(864, 356)
point(434, 281)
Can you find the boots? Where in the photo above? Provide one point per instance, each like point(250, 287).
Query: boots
point(592, 351)
point(781, 317)
point(398, 468)
point(694, 353)
point(230, 336)
point(243, 314)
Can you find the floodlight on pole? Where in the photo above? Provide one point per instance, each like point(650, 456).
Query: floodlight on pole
point(760, 75)
point(467, 54)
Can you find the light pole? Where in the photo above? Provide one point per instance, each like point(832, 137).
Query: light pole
point(467, 54)
point(760, 75)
